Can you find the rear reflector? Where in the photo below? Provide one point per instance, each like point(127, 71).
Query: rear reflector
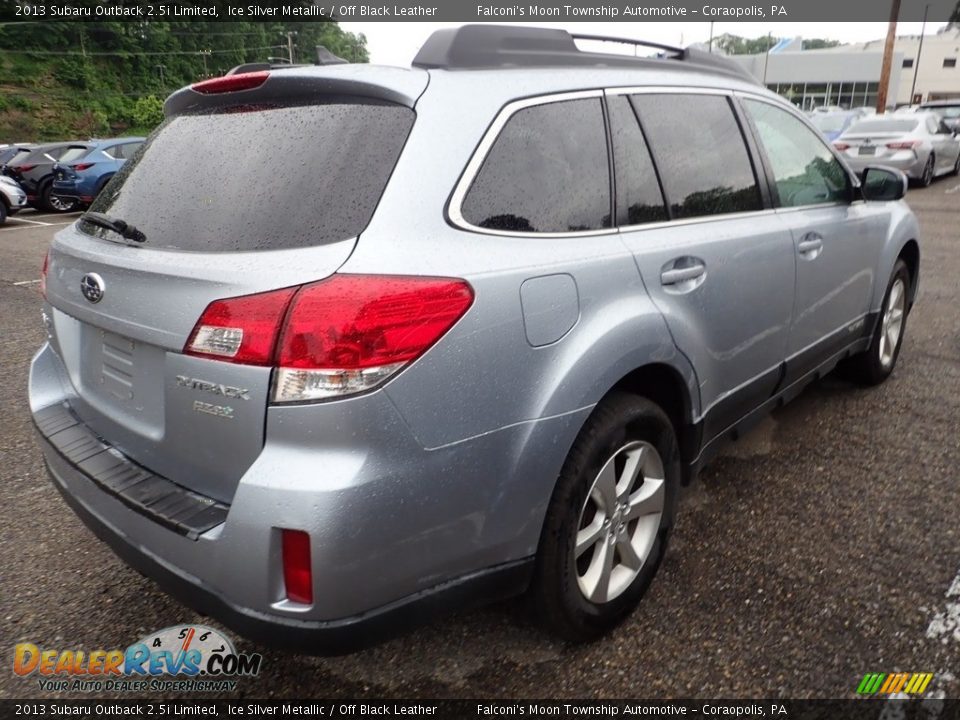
point(297, 574)
point(241, 329)
point(841, 146)
point(43, 275)
point(231, 83)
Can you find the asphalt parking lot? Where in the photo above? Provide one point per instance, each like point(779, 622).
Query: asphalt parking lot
point(822, 546)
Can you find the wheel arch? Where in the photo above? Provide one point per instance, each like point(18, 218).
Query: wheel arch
point(663, 385)
point(910, 254)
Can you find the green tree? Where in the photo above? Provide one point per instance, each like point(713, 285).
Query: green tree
point(148, 112)
point(736, 45)
point(819, 44)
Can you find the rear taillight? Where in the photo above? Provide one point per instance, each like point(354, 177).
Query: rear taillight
point(43, 275)
point(297, 574)
point(906, 145)
point(22, 168)
point(336, 337)
point(349, 333)
point(841, 146)
point(241, 329)
point(231, 83)
point(82, 166)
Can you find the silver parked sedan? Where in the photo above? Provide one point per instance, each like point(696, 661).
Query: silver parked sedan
point(919, 144)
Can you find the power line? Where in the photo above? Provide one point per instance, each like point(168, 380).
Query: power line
point(140, 54)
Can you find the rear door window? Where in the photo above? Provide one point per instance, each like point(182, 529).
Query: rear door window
point(548, 171)
point(639, 199)
point(254, 178)
point(700, 152)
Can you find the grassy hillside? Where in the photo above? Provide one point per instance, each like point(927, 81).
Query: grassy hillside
point(64, 80)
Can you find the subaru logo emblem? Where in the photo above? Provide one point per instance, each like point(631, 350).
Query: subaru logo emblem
point(91, 285)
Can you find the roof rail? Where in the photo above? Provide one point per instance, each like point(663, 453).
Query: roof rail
point(474, 47)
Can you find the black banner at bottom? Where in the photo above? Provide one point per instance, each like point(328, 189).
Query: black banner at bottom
point(866, 709)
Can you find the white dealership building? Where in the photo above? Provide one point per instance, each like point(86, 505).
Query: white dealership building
point(849, 75)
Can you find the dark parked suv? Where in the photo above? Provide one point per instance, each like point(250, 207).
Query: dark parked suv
point(469, 343)
point(34, 172)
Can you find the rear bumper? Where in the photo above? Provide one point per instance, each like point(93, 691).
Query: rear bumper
point(315, 637)
point(14, 199)
point(398, 533)
point(905, 161)
point(73, 190)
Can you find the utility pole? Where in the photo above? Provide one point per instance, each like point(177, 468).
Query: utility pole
point(916, 63)
point(766, 58)
point(290, 35)
point(710, 46)
point(887, 57)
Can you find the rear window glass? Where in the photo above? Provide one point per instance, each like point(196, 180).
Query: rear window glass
point(829, 123)
point(240, 178)
point(891, 125)
point(73, 153)
point(548, 171)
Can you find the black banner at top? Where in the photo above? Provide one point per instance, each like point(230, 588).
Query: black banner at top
point(348, 709)
point(481, 10)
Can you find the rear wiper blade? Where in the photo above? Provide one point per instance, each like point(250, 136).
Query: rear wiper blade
point(119, 226)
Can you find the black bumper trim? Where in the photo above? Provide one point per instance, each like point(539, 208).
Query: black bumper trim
point(173, 506)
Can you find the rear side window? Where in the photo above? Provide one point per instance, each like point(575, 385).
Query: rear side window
point(804, 170)
point(73, 153)
point(547, 171)
point(700, 152)
point(639, 199)
point(257, 178)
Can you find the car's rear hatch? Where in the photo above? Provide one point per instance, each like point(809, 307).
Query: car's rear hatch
point(879, 138)
point(237, 193)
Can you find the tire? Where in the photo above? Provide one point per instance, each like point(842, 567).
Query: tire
point(568, 591)
point(874, 365)
point(956, 166)
point(50, 203)
point(926, 179)
point(3, 212)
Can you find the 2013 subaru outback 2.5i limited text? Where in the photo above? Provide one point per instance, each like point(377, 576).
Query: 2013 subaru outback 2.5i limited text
point(483, 321)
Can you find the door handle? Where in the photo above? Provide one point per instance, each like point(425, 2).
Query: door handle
point(810, 245)
point(675, 276)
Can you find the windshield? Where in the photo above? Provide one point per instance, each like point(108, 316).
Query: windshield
point(891, 125)
point(256, 178)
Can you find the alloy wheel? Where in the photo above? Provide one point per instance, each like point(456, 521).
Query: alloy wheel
point(928, 172)
point(619, 521)
point(892, 323)
point(62, 204)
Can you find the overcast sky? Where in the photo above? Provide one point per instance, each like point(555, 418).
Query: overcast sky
point(397, 43)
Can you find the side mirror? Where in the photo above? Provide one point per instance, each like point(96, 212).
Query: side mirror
point(883, 183)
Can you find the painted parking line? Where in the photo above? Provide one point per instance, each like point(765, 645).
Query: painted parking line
point(951, 191)
point(946, 623)
point(5, 229)
point(28, 282)
point(35, 222)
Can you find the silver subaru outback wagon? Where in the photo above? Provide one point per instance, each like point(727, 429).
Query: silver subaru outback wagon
point(345, 346)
